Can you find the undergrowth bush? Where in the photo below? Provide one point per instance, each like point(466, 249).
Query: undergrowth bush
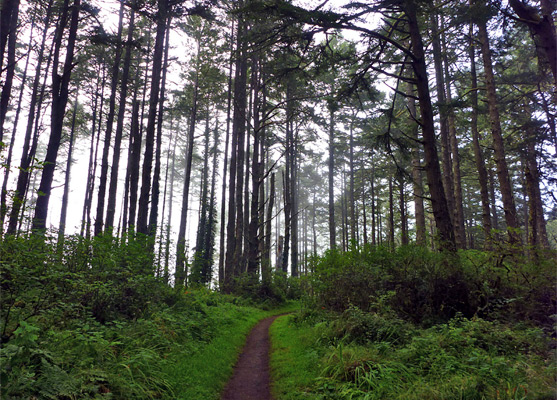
point(427, 287)
point(89, 319)
point(470, 359)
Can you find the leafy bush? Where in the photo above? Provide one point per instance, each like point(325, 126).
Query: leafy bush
point(425, 287)
point(464, 358)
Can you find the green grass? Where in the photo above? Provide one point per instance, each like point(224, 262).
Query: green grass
point(294, 359)
point(203, 373)
point(464, 359)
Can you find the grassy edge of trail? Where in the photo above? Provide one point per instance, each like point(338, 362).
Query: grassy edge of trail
point(294, 360)
point(204, 373)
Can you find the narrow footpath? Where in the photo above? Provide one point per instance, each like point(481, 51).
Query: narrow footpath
point(251, 379)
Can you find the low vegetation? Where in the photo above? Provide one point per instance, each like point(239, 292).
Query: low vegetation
point(414, 324)
point(90, 320)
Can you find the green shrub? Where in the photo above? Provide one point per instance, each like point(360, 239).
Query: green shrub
point(426, 287)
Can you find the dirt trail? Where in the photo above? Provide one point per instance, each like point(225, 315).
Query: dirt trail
point(251, 380)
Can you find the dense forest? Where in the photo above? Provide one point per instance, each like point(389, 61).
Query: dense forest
point(174, 170)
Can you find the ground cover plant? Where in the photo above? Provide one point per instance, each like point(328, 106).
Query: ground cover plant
point(85, 322)
point(380, 325)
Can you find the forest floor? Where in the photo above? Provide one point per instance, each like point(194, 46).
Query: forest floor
point(251, 378)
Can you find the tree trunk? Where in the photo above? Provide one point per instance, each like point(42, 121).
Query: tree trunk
point(112, 189)
point(542, 28)
point(446, 161)
point(403, 218)
point(28, 151)
point(9, 16)
point(180, 275)
point(391, 216)
point(144, 197)
point(417, 179)
point(8, 162)
point(93, 152)
point(498, 146)
point(154, 214)
point(60, 90)
point(478, 155)
point(135, 158)
point(235, 209)
point(109, 126)
point(225, 170)
point(253, 238)
point(266, 257)
point(460, 231)
point(433, 172)
point(353, 221)
point(332, 227)
point(64, 210)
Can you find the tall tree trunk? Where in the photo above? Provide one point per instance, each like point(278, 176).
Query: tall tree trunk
point(478, 155)
point(536, 220)
point(253, 238)
point(135, 159)
point(60, 89)
point(294, 267)
point(93, 152)
point(144, 197)
point(109, 126)
point(373, 221)
point(154, 214)
point(225, 169)
point(170, 207)
point(498, 146)
point(332, 227)
point(417, 179)
point(8, 162)
point(29, 145)
point(460, 231)
point(112, 188)
point(8, 15)
point(180, 275)
point(235, 204)
point(266, 257)
point(364, 211)
point(542, 28)
point(438, 200)
point(403, 218)
point(65, 196)
point(353, 222)
point(446, 161)
point(391, 216)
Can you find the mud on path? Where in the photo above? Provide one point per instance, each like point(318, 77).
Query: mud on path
point(251, 378)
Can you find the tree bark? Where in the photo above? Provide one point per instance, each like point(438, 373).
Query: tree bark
point(30, 140)
point(542, 28)
point(225, 169)
point(332, 227)
point(497, 134)
point(478, 155)
point(8, 162)
point(446, 160)
point(155, 194)
point(67, 179)
point(109, 126)
point(180, 275)
point(417, 179)
point(60, 90)
point(144, 197)
point(433, 172)
point(113, 186)
point(9, 15)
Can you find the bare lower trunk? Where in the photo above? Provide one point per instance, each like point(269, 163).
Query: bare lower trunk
point(499, 149)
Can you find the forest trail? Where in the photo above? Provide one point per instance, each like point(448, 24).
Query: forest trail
point(251, 378)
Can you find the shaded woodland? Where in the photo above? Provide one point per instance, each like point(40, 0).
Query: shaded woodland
point(362, 155)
